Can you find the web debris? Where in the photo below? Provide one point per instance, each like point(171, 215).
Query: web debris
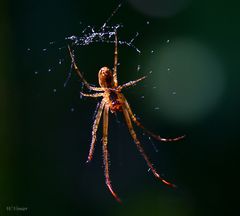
point(105, 34)
point(87, 36)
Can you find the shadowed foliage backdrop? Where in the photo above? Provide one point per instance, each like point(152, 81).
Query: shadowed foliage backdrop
point(190, 54)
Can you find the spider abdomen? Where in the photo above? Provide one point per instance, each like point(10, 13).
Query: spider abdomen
point(115, 101)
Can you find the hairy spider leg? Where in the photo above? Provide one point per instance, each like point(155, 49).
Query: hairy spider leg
point(115, 81)
point(105, 153)
point(92, 95)
point(130, 83)
point(140, 148)
point(157, 137)
point(94, 130)
point(80, 74)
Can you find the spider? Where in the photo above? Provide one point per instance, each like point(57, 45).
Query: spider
point(114, 100)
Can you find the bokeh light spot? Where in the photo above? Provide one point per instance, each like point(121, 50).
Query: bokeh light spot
point(194, 84)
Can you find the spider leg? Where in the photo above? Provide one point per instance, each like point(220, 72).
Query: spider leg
point(132, 83)
point(94, 130)
point(92, 95)
point(155, 136)
point(115, 61)
point(105, 153)
point(80, 74)
point(140, 148)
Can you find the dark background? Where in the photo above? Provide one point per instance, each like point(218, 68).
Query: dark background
point(45, 129)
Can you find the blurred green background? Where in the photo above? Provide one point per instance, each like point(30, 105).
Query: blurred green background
point(190, 51)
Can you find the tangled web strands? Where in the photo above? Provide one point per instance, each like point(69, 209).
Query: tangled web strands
point(105, 34)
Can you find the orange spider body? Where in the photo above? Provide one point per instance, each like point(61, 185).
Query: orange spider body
point(112, 95)
point(105, 78)
point(114, 101)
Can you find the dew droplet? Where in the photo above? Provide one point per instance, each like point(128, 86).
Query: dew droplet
point(152, 51)
point(49, 69)
point(44, 49)
point(148, 22)
point(72, 109)
point(168, 41)
point(54, 90)
point(156, 108)
point(138, 67)
point(36, 72)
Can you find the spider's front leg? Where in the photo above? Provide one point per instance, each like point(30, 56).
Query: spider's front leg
point(115, 81)
point(80, 74)
point(131, 83)
point(105, 153)
point(92, 95)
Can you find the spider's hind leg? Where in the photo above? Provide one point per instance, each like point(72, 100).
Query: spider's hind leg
point(94, 130)
point(140, 148)
point(105, 153)
point(155, 136)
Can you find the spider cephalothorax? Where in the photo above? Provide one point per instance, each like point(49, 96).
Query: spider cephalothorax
point(114, 100)
point(105, 78)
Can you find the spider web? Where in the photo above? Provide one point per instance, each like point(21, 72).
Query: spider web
point(105, 34)
point(90, 34)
